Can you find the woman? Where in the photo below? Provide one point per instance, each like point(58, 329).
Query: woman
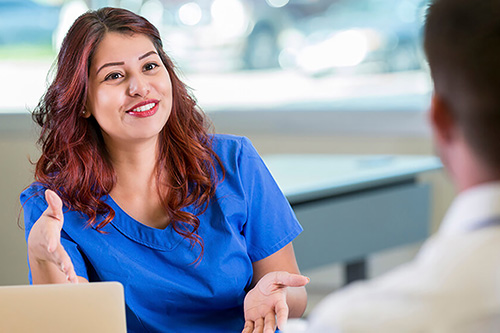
point(131, 188)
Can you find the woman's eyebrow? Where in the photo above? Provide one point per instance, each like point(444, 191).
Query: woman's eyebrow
point(122, 63)
point(147, 55)
point(109, 64)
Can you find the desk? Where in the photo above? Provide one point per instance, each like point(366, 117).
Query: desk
point(351, 206)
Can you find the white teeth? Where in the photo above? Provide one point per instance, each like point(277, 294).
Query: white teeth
point(144, 107)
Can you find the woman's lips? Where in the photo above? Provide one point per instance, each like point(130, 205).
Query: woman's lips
point(144, 109)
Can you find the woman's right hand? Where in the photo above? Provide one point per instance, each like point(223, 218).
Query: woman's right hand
point(49, 262)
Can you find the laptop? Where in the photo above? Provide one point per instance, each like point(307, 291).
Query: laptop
point(85, 307)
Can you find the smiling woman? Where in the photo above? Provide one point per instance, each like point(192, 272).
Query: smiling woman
point(131, 187)
point(130, 93)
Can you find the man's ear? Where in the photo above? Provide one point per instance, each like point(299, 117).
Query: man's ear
point(441, 119)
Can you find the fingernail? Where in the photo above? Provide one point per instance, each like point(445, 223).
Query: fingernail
point(62, 267)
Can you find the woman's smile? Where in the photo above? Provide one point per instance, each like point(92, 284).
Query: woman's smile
point(144, 109)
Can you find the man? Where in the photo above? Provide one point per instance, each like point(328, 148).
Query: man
point(453, 284)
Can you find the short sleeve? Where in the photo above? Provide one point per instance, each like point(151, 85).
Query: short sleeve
point(34, 204)
point(271, 223)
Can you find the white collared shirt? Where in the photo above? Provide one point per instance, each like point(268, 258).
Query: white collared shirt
point(477, 204)
point(453, 284)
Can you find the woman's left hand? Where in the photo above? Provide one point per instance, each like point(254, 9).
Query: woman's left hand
point(265, 305)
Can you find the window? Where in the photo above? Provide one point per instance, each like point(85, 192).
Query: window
point(246, 54)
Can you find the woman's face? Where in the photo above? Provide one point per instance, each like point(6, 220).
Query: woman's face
point(130, 92)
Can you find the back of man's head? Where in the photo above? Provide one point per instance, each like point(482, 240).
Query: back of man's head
point(462, 43)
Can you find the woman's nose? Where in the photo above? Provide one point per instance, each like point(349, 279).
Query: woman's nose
point(138, 86)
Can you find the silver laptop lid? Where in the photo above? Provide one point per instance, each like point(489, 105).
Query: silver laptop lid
point(84, 307)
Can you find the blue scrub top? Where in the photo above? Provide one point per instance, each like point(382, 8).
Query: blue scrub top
point(248, 219)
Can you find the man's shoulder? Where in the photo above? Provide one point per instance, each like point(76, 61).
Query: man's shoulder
point(452, 279)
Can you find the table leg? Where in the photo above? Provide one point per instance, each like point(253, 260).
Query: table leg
point(355, 270)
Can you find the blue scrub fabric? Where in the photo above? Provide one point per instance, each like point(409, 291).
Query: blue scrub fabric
point(248, 220)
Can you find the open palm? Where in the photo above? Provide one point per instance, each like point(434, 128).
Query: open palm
point(265, 305)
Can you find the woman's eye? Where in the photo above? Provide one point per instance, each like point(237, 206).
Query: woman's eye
point(112, 76)
point(150, 66)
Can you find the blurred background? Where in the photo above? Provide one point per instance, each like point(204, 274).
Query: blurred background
point(299, 51)
point(295, 76)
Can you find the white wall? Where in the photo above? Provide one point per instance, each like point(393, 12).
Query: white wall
point(15, 174)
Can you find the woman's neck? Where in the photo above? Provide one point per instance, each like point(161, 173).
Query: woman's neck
point(136, 188)
point(134, 164)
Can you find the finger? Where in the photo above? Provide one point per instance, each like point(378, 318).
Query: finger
point(270, 323)
point(55, 205)
point(258, 326)
point(248, 327)
point(291, 280)
point(72, 277)
point(281, 313)
point(54, 210)
point(63, 261)
point(68, 269)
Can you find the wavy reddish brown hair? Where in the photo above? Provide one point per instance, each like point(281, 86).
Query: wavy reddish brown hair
point(74, 161)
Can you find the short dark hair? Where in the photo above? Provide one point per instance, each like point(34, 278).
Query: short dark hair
point(462, 44)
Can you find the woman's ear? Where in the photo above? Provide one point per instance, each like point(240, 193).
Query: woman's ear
point(441, 119)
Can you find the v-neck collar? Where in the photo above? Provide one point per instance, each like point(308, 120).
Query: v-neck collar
point(159, 239)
